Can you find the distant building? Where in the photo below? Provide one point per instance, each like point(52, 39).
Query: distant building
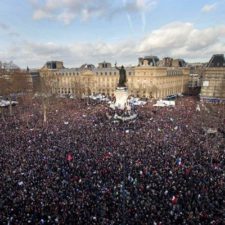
point(36, 82)
point(87, 67)
point(195, 78)
point(104, 65)
point(53, 65)
point(148, 61)
point(213, 86)
point(148, 79)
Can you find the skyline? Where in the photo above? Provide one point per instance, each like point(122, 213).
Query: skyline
point(91, 31)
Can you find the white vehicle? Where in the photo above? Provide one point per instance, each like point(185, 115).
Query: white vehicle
point(136, 101)
point(163, 103)
point(5, 103)
point(99, 97)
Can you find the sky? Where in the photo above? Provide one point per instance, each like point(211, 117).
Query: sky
point(91, 31)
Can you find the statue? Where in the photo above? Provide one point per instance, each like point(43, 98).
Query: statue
point(123, 78)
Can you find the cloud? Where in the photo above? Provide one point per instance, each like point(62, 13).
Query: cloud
point(4, 26)
point(172, 35)
point(178, 40)
point(184, 40)
point(209, 8)
point(139, 5)
point(41, 14)
point(67, 17)
point(8, 30)
point(68, 10)
point(14, 34)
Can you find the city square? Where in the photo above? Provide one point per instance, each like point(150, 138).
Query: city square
point(112, 112)
point(82, 168)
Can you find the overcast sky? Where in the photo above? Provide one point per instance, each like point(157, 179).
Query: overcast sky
point(90, 31)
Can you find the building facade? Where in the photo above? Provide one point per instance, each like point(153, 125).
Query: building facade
point(213, 85)
point(148, 79)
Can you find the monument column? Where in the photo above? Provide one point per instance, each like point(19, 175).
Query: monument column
point(121, 92)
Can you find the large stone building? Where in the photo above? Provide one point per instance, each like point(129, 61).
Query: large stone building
point(152, 78)
point(213, 87)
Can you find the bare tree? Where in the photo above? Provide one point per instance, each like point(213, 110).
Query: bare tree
point(152, 89)
point(79, 89)
point(45, 93)
point(13, 82)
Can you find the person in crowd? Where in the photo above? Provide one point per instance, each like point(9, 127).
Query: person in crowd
point(83, 168)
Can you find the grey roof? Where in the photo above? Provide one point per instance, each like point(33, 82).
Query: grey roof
point(217, 60)
point(94, 70)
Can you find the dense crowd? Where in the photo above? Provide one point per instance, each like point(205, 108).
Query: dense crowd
point(80, 167)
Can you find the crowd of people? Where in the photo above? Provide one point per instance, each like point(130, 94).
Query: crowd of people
point(80, 167)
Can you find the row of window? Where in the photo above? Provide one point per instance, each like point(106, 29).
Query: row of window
point(66, 90)
point(111, 73)
point(174, 73)
point(144, 84)
point(215, 76)
point(68, 74)
point(106, 73)
point(163, 91)
point(97, 73)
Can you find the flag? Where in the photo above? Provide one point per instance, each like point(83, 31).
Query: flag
point(107, 155)
point(174, 200)
point(69, 157)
